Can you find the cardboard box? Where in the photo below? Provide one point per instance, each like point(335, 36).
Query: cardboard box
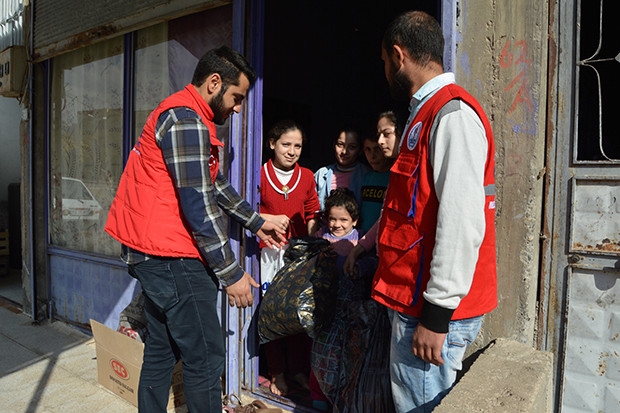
point(119, 360)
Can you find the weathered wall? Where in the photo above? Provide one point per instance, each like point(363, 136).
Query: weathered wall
point(501, 59)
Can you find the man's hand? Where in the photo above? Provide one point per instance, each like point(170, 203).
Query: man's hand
point(427, 345)
point(240, 293)
point(272, 234)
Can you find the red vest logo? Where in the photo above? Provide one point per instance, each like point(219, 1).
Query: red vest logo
point(119, 369)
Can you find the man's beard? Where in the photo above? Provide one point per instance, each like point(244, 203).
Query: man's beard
point(220, 114)
point(400, 86)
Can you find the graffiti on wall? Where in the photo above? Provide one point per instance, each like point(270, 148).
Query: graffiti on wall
point(514, 55)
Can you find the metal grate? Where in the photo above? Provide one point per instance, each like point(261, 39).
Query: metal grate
point(598, 84)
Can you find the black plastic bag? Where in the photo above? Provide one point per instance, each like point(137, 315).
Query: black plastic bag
point(302, 295)
point(364, 385)
point(351, 357)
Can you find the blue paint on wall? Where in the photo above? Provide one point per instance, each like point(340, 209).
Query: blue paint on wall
point(465, 66)
point(83, 289)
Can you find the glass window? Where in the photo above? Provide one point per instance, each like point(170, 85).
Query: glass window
point(166, 55)
point(85, 145)
point(87, 112)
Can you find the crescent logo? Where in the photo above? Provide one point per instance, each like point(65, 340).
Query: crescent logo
point(414, 136)
point(119, 369)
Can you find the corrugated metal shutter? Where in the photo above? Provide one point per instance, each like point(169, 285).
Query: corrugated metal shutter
point(11, 23)
point(64, 25)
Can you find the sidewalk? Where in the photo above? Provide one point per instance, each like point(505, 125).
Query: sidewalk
point(50, 368)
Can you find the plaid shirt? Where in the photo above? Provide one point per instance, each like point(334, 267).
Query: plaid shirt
point(184, 141)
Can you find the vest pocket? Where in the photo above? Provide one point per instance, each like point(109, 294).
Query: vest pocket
point(401, 259)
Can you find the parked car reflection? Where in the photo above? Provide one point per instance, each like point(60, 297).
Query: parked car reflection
point(77, 201)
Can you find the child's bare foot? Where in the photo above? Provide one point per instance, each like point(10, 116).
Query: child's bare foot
point(278, 385)
point(303, 380)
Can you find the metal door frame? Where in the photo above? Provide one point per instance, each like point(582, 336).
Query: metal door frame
point(560, 259)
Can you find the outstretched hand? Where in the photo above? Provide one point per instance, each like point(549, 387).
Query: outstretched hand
point(240, 293)
point(272, 234)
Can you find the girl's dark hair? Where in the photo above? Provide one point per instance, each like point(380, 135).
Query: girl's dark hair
point(342, 197)
point(226, 62)
point(395, 120)
point(283, 126)
point(349, 130)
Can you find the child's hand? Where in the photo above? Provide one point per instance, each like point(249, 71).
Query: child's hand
point(272, 234)
point(282, 221)
point(349, 267)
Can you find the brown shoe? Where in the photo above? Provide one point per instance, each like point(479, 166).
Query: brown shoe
point(256, 407)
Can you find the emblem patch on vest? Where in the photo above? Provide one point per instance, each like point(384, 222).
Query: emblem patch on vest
point(414, 136)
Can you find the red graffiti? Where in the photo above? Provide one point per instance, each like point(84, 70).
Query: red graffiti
point(516, 55)
point(514, 165)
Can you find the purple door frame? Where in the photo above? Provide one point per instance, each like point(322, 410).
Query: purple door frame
point(246, 160)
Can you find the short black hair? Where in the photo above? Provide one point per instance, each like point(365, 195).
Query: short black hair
point(419, 33)
point(226, 62)
point(342, 197)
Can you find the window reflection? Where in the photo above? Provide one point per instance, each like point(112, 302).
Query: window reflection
point(85, 145)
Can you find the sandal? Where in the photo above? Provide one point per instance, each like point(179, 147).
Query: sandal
point(256, 407)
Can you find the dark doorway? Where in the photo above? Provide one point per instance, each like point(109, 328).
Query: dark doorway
point(323, 67)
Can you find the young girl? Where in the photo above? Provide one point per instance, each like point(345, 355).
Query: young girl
point(288, 198)
point(374, 183)
point(340, 215)
point(347, 172)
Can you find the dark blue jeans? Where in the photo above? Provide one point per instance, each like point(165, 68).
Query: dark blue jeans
point(181, 311)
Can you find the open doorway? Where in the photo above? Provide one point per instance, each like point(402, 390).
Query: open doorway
point(323, 69)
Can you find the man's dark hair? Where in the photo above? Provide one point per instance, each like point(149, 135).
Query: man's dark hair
point(418, 33)
point(226, 62)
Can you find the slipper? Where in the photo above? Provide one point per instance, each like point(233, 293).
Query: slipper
point(256, 407)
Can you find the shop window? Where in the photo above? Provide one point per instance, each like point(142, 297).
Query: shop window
point(85, 144)
point(166, 55)
point(87, 113)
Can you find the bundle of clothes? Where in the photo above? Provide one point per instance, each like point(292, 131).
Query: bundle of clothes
point(350, 331)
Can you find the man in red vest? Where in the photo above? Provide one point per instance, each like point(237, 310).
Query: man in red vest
point(167, 214)
point(436, 247)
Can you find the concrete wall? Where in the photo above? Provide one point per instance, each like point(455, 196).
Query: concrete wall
point(501, 59)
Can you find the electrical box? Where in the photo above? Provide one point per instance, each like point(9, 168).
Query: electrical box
point(12, 71)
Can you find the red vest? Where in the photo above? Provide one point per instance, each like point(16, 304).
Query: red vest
point(409, 219)
point(145, 212)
